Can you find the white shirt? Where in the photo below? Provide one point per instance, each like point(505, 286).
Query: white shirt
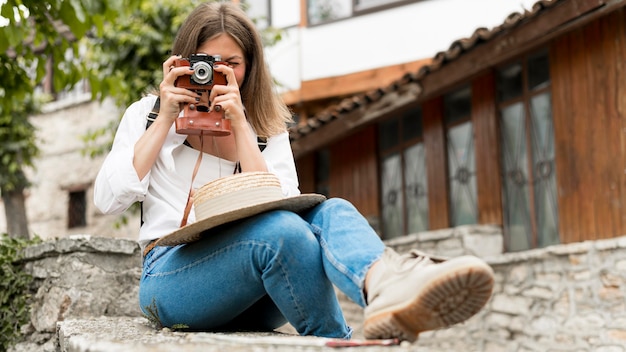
point(164, 190)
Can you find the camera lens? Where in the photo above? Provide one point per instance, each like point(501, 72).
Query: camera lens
point(202, 72)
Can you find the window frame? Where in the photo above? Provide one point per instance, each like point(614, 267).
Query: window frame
point(77, 208)
point(525, 98)
point(400, 149)
point(447, 126)
point(268, 20)
point(355, 11)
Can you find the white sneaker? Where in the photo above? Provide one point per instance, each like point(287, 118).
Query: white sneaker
point(415, 292)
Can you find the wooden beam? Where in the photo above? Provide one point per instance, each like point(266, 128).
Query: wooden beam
point(486, 142)
point(304, 21)
point(353, 83)
point(436, 164)
point(589, 115)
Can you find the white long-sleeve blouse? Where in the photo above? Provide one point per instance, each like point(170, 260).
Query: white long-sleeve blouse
point(164, 190)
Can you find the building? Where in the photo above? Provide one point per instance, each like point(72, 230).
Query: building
point(518, 125)
point(60, 201)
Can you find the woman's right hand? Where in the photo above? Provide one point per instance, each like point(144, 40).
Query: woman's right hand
point(172, 98)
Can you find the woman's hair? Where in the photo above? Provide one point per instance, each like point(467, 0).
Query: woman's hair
point(266, 111)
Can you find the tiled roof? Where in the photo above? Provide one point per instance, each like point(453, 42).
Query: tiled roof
point(457, 48)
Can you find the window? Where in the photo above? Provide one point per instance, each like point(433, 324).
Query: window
point(461, 165)
point(274, 14)
point(259, 11)
point(46, 86)
point(321, 11)
point(360, 5)
point(76, 214)
point(528, 170)
point(322, 172)
point(404, 184)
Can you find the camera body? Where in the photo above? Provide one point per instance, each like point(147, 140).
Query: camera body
point(198, 118)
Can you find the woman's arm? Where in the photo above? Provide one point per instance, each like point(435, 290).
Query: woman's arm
point(123, 178)
point(149, 145)
point(117, 185)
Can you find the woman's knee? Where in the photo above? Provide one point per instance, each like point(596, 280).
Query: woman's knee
point(333, 208)
point(337, 203)
point(282, 238)
point(283, 227)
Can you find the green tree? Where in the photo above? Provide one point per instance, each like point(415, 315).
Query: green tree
point(114, 45)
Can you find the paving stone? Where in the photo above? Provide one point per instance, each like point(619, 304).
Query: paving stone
point(113, 334)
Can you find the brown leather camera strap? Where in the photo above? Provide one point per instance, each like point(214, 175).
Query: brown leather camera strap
point(183, 222)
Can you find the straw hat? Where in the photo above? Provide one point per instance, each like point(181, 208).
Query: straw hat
point(236, 197)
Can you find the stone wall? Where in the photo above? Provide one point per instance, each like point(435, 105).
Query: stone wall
point(561, 298)
point(79, 277)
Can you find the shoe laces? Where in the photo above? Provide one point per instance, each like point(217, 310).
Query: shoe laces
point(410, 260)
point(399, 264)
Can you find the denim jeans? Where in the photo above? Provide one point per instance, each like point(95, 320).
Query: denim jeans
point(264, 271)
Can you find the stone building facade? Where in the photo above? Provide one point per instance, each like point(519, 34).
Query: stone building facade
point(62, 180)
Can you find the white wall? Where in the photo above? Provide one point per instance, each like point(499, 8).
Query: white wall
point(285, 13)
point(398, 35)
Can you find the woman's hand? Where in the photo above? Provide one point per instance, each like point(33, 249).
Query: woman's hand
point(173, 97)
point(228, 97)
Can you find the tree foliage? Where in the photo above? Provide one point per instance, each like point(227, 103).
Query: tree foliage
point(35, 34)
point(14, 285)
point(125, 62)
point(117, 46)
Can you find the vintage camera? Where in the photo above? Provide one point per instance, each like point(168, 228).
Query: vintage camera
point(198, 118)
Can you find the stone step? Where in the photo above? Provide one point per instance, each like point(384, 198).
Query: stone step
point(113, 334)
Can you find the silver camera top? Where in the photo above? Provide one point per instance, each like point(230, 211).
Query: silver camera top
point(202, 65)
point(202, 72)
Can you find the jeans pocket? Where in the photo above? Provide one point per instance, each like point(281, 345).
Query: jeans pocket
point(153, 257)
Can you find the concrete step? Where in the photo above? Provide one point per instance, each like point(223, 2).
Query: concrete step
point(113, 334)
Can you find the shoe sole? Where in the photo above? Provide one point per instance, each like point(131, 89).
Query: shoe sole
point(447, 299)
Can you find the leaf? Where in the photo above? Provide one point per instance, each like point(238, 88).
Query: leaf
point(6, 10)
point(69, 15)
point(4, 42)
point(78, 10)
point(14, 284)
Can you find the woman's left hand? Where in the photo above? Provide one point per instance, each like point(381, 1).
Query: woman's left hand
point(228, 97)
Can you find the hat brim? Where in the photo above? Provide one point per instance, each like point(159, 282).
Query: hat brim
point(194, 231)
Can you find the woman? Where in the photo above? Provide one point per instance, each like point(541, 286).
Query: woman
point(276, 267)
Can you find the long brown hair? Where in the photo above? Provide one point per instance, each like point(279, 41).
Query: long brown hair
point(266, 111)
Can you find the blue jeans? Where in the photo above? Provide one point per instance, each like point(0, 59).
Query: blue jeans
point(264, 271)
